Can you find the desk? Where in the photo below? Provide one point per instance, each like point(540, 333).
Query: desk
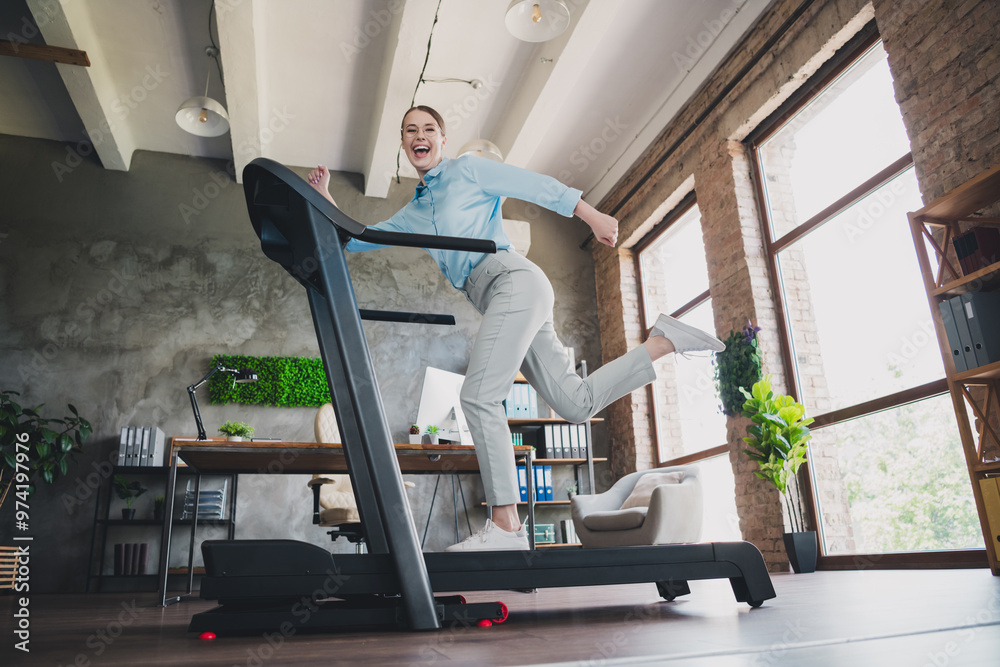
point(257, 457)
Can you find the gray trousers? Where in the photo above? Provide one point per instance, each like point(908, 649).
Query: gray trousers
point(515, 299)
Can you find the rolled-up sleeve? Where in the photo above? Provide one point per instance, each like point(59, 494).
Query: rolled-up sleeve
point(504, 180)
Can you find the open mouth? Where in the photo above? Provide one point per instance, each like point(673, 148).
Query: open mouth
point(421, 151)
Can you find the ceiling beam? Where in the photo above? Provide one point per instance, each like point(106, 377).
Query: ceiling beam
point(240, 35)
point(406, 47)
point(91, 88)
point(674, 100)
point(52, 54)
point(543, 89)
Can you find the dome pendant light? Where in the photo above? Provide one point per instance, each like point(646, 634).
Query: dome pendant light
point(537, 20)
point(201, 115)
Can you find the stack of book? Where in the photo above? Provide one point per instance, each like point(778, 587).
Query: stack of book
point(977, 248)
point(563, 441)
point(211, 504)
point(130, 558)
point(142, 446)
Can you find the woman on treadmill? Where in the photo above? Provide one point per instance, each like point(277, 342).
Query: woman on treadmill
point(461, 197)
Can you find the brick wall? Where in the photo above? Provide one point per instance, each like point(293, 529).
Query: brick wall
point(945, 59)
point(945, 62)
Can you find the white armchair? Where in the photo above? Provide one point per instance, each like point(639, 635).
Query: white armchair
point(659, 506)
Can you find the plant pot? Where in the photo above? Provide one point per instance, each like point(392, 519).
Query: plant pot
point(158, 513)
point(234, 438)
point(128, 514)
point(801, 548)
point(416, 439)
point(434, 438)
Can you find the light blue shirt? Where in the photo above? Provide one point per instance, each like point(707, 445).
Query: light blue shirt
point(462, 198)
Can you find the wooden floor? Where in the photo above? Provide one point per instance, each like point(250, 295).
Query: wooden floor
point(893, 618)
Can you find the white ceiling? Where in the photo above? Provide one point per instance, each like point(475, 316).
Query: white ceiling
point(326, 81)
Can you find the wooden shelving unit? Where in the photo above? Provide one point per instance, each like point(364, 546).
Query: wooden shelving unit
point(976, 389)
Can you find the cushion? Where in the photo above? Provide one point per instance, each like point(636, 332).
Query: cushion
point(644, 487)
point(616, 519)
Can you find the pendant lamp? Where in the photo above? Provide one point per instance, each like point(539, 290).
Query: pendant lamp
point(201, 115)
point(537, 20)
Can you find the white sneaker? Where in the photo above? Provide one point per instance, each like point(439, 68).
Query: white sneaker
point(493, 538)
point(684, 337)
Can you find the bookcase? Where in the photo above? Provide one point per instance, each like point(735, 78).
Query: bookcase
point(974, 385)
point(582, 467)
point(108, 529)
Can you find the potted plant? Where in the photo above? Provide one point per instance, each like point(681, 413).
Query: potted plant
point(433, 432)
point(738, 366)
point(128, 491)
point(415, 437)
point(159, 504)
point(571, 491)
point(35, 446)
point(236, 431)
point(778, 437)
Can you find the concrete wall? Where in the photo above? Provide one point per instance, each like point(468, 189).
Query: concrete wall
point(118, 288)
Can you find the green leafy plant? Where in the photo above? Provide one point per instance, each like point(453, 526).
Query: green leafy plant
point(36, 446)
point(128, 491)
point(237, 429)
point(739, 365)
point(433, 430)
point(281, 382)
point(778, 440)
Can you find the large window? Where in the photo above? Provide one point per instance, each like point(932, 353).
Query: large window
point(836, 180)
point(687, 424)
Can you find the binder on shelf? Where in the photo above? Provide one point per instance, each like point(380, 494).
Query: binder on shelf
point(127, 559)
point(951, 330)
point(144, 447)
point(982, 316)
point(964, 335)
point(123, 446)
point(584, 441)
point(532, 401)
point(522, 483)
point(119, 559)
point(574, 435)
point(547, 478)
point(157, 447)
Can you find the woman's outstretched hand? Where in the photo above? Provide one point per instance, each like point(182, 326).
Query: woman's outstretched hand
point(319, 178)
point(604, 226)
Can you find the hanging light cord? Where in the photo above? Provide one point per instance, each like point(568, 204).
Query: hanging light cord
point(420, 79)
point(218, 64)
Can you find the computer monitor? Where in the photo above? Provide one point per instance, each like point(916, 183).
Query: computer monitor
point(440, 405)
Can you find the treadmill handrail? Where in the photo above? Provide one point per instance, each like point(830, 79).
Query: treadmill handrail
point(356, 229)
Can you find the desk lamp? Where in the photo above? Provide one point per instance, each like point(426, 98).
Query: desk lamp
point(242, 376)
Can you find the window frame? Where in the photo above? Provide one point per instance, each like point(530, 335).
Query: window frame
point(679, 211)
point(845, 57)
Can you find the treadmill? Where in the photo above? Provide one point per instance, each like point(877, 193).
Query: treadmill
point(291, 586)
